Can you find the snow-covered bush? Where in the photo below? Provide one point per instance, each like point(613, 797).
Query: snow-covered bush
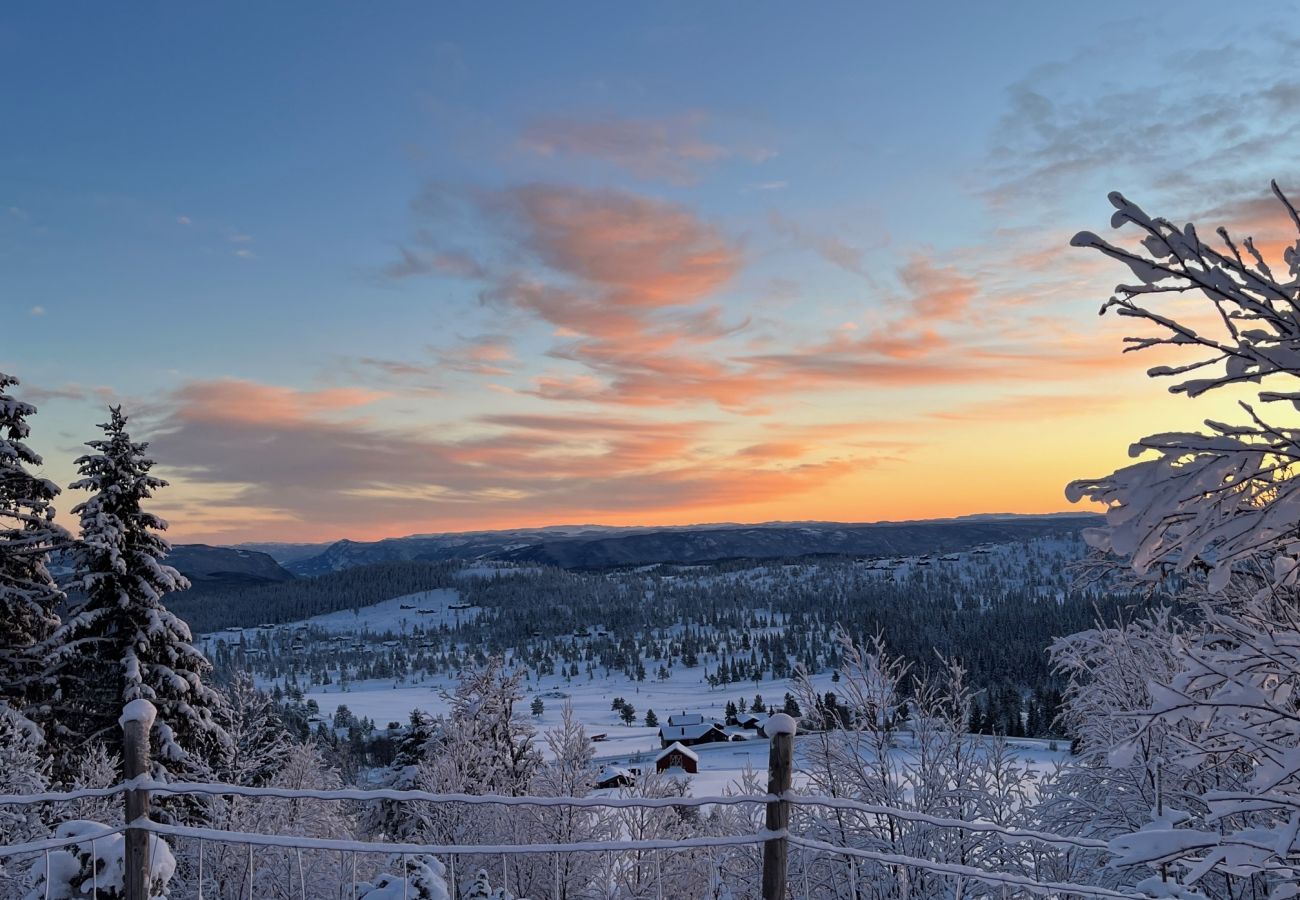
point(893, 739)
point(96, 866)
point(423, 878)
point(23, 770)
point(279, 872)
point(481, 889)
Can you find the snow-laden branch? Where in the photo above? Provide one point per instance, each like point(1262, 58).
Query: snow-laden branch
point(1227, 498)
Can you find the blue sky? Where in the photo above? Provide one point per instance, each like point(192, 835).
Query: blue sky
point(362, 270)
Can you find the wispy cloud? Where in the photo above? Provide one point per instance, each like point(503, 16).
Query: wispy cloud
point(1187, 134)
point(671, 149)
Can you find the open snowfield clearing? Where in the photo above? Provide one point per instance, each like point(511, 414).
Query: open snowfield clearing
point(427, 609)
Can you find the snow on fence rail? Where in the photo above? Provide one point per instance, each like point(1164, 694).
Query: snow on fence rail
point(776, 838)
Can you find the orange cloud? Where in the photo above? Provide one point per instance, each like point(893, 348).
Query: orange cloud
point(239, 401)
point(937, 292)
point(288, 459)
point(643, 252)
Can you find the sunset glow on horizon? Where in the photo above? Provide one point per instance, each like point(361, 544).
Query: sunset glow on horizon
point(366, 275)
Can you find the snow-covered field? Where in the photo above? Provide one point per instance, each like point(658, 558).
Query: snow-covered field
point(427, 609)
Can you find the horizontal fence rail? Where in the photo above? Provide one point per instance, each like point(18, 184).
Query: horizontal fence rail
point(46, 844)
point(360, 794)
point(304, 843)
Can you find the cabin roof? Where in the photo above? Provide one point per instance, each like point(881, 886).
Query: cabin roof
point(678, 748)
point(686, 732)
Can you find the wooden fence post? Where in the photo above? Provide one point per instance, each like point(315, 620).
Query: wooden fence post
point(780, 728)
point(137, 721)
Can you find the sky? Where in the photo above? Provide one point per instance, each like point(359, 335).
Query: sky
point(366, 270)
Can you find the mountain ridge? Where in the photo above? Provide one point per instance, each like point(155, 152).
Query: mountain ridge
point(595, 546)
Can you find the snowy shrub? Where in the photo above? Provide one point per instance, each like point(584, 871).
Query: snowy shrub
point(423, 878)
point(96, 866)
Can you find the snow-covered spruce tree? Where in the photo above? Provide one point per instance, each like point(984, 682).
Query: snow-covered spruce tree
point(28, 595)
point(393, 820)
point(120, 643)
point(1224, 502)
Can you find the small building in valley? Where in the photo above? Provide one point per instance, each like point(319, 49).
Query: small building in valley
point(689, 729)
point(614, 777)
point(678, 757)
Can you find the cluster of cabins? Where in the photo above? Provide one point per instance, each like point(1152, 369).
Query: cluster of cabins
point(689, 729)
point(683, 731)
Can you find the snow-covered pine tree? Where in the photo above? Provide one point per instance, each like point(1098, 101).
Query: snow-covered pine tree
point(120, 643)
point(28, 595)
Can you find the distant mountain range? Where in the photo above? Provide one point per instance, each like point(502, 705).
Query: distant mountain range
point(595, 547)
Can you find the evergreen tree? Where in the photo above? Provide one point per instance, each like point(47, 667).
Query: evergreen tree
point(120, 643)
point(28, 595)
point(538, 707)
point(627, 714)
point(651, 720)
